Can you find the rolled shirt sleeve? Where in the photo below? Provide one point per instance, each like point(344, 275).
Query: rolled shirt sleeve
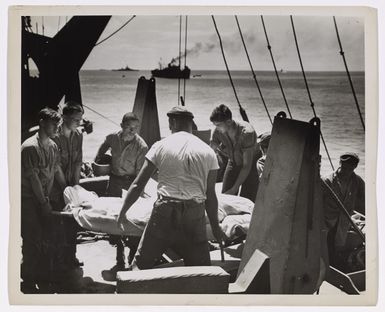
point(29, 161)
point(40, 162)
point(248, 139)
point(212, 161)
point(152, 154)
point(215, 140)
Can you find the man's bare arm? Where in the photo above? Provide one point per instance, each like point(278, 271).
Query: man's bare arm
point(248, 155)
point(102, 149)
point(137, 187)
point(212, 205)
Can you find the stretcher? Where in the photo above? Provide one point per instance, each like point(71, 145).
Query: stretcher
point(100, 214)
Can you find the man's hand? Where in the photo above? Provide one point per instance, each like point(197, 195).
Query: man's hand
point(121, 218)
point(218, 234)
point(136, 189)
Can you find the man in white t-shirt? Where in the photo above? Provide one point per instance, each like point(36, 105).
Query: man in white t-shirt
point(186, 189)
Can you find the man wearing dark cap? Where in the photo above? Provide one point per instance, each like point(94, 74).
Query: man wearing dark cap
point(237, 141)
point(350, 189)
point(187, 169)
point(263, 141)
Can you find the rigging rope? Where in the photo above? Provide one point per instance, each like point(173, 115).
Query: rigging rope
point(180, 43)
point(275, 67)
point(241, 109)
point(342, 207)
point(58, 24)
point(185, 60)
point(308, 90)
point(252, 70)
point(27, 24)
point(115, 31)
point(348, 73)
point(110, 120)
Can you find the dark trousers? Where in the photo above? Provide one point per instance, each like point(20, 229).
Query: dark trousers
point(114, 189)
point(66, 229)
point(32, 229)
point(249, 187)
point(40, 243)
point(71, 229)
point(118, 183)
point(175, 224)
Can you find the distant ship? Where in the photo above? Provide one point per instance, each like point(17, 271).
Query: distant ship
point(125, 69)
point(171, 71)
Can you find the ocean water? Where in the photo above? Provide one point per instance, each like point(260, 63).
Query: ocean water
point(112, 94)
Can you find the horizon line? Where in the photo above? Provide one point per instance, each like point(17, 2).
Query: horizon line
point(205, 69)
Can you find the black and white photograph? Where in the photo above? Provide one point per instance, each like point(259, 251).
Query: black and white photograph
point(216, 152)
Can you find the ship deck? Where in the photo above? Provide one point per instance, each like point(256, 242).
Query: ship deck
point(95, 276)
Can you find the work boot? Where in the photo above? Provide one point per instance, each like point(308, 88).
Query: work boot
point(120, 263)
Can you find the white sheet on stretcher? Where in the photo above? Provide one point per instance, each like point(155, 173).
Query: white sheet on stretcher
point(99, 214)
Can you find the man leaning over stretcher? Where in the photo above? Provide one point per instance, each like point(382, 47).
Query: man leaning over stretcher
point(186, 189)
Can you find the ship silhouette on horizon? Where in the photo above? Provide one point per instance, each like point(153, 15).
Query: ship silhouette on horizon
point(125, 69)
point(172, 71)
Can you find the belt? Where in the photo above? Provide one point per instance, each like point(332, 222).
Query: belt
point(179, 200)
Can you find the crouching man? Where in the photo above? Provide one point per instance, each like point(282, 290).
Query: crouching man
point(127, 150)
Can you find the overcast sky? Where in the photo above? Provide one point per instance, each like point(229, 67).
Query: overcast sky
point(146, 39)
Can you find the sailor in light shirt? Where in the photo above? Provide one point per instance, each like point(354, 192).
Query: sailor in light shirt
point(186, 189)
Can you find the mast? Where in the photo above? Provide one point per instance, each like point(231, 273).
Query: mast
point(58, 60)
